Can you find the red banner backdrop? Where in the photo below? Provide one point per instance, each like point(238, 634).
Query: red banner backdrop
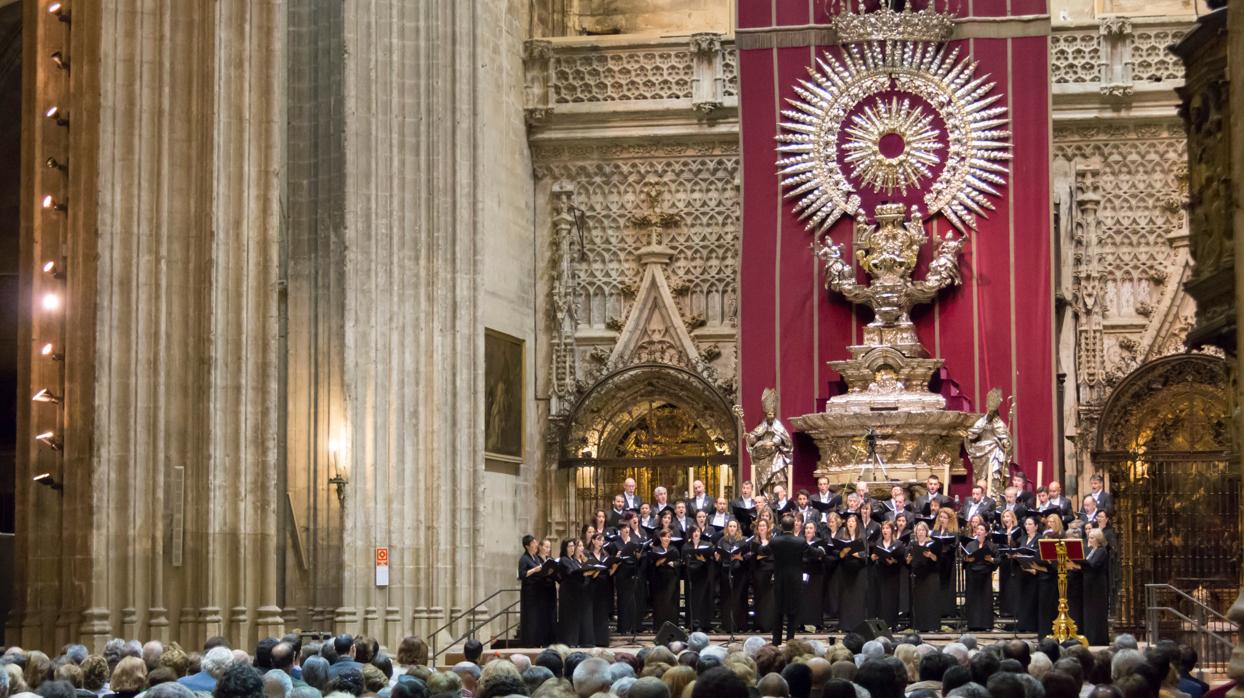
point(996, 329)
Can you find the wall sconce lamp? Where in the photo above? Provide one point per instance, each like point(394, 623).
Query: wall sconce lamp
point(45, 395)
point(54, 112)
point(54, 269)
point(337, 480)
point(58, 60)
point(51, 204)
point(53, 164)
point(50, 302)
point(49, 350)
point(48, 439)
point(48, 481)
point(57, 10)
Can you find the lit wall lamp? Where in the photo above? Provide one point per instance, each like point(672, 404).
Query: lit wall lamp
point(53, 164)
point(50, 302)
point(58, 60)
point(49, 350)
point(48, 439)
point(337, 480)
point(45, 395)
point(57, 10)
point(54, 112)
point(55, 270)
point(48, 481)
point(50, 203)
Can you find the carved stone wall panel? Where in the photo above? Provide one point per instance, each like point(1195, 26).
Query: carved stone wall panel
point(1152, 60)
point(1075, 57)
point(622, 75)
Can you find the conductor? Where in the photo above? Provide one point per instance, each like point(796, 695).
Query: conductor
point(787, 551)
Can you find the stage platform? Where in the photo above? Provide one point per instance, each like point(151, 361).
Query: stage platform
point(629, 644)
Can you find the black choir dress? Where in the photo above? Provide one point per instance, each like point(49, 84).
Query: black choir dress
point(574, 607)
point(732, 584)
point(833, 581)
point(1096, 595)
point(761, 563)
point(1027, 602)
point(1047, 597)
point(1008, 578)
point(600, 589)
point(948, 544)
point(625, 584)
point(1075, 594)
point(978, 585)
point(663, 576)
point(890, 569)
point(698, 567)
point(853, 587)
point(534, 629)
point(926, 594)
point(811, 606)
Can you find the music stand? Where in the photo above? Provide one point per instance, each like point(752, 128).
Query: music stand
point(1063, 551)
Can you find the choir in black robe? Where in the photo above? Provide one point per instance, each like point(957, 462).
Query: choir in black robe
point(889, 570)
point(534, 628)
point(853, 586)
point(1075, 594)
point(1027, 603)
point(926, 594)
point(732, 584)
point(574, 604)
point(600, 590)
point(1047, 597)
point(761, 564)
point(698, 567)
point(626, 583)
point(948, 544)
point(978, 587)
point(663, 576)
point(1096, 595)
point(833, 583)
point(811, 606)
point(1008, 571)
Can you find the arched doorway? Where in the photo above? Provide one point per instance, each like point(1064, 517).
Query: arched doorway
point(1164, 439)
point(658, 423)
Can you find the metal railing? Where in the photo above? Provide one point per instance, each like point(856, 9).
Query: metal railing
point(509, 611)
point(1172, 614)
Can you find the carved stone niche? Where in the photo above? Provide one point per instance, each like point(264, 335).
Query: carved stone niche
point(1206, 114)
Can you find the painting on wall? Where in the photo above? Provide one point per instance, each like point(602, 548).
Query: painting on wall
point(503, 396)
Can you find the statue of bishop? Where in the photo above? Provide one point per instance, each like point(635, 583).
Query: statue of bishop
point(769, 444)
point(988, 443)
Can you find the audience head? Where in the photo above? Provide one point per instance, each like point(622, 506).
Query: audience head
point(130, 676)
point(534, 677)
point(955, 677)
point(240, 681)
point(591, 675)
point(348, 680)
point(879, 678)
point(649, 687)
point(277, 684)
point(550, 660)
point(1039, 664)
point(772, 685)
point(798, 680)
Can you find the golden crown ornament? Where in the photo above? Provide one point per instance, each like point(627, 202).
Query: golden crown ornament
point(887, 24)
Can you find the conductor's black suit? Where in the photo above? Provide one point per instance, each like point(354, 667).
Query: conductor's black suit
point(787, 551)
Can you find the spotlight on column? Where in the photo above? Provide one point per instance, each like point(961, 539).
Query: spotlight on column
point(54, 164)
point(54, 269)
point(58, 60)
point(55, 112)
point(49, 350)
point(57, 10)
point(51, 301)
point(50, 203)
point(48, 481)
point(45, 395)
point(48, 439)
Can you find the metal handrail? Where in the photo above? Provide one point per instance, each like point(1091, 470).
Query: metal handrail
point(455, 618)
point(1150, 588)
point(508, 611)
point(1196, 625)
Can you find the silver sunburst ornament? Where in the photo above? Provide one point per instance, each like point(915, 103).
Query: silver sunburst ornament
point(891, 145)
point(894, 88)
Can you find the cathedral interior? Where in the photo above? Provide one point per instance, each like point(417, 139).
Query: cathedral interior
point(294, 282)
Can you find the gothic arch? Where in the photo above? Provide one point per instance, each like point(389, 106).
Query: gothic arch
point(598, 423)
point(1164, 439)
